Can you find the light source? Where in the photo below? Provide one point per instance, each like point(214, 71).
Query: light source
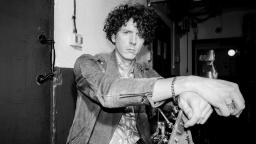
point(232, 52)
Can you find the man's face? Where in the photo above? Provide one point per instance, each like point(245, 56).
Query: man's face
point(127, 41)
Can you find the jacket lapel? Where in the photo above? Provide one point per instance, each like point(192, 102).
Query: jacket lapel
point(112, 68)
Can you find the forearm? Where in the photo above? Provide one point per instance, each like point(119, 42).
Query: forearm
point(124, 92)
point(218, 93)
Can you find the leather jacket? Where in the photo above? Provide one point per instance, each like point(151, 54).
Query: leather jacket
point(103, 96)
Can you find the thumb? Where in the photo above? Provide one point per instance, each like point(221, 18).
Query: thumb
point(223, 110)
point(192, 121)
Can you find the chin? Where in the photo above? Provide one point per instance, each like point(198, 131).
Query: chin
point(130, 59)
point(128, 56)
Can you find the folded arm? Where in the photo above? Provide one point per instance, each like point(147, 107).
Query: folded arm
point(110, 90)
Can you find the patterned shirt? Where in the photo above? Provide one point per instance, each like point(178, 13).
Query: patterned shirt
point(126, 131)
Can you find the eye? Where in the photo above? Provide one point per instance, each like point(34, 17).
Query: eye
point(126, 32)
point(139, 35)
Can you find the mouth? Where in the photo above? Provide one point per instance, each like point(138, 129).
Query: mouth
point(133, 51)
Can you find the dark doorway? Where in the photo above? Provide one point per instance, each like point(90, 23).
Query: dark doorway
point(236, 68)
point(161, 50)
point(226, 65)
point(25, 105)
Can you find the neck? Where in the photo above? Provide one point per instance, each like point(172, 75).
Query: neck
point(124, 62)
point(125, 67)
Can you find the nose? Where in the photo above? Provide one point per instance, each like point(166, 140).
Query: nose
point(133, 39)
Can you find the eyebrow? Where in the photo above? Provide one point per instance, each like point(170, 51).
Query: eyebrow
point(127, 29)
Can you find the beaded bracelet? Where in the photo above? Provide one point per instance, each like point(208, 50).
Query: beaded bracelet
point(172, 90)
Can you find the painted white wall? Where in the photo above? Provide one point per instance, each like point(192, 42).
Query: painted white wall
point(231, 27)
point(90, 17)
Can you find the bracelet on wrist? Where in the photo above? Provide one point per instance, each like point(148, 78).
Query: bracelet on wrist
point(175, 98)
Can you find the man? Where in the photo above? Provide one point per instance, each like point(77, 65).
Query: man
point(113, 89)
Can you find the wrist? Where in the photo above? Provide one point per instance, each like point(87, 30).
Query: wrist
point(162, 88)
point(183, 84)
point(173, 94)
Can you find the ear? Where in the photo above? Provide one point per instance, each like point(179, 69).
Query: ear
point(113, 38)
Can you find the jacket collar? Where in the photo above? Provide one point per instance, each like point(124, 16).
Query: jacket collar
point(112, 67)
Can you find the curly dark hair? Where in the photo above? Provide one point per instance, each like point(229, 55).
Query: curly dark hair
point(144, 17)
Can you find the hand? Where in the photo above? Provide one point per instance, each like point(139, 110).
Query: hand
point(196, 108)
point(225, 96)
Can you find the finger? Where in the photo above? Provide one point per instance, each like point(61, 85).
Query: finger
point(194, 119)
point(202, 121)
point(238, 114)
point(236, 97)
point(196, 112)
point(224, 110)
point(217, 111)
point(207, 107)
point(232, 108)
point(238, 101)
point(230, 105)
point(186, 108)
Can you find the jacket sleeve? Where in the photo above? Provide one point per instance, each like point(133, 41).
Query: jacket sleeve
point(109, 90)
